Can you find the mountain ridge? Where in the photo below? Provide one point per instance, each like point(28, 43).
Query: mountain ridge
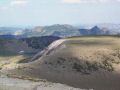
point(63, 30)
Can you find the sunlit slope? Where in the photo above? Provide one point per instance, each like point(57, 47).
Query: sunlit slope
point(84, 62)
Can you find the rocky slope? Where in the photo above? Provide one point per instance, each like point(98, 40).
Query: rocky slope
point(11, 45)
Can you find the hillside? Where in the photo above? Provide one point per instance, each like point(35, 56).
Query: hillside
point(83, 62)
point(53, 30)
point(9, 44)
point(14, 50)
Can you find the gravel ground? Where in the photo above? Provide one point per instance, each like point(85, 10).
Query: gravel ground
point(18, 84)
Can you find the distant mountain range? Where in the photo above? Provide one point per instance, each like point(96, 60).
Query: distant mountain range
point(9, 30)
point(95, 31)
point(111, 27)
point(64, 30)
point(54, 30)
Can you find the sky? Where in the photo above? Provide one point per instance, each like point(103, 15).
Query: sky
point(48, 12)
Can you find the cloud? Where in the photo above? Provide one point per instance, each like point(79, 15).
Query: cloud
point(89, 1)
point(3, 8)
point(18, 2)
point(71, 1)
point(13, 3)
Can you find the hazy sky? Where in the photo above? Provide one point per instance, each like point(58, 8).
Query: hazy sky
point(47, 12)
